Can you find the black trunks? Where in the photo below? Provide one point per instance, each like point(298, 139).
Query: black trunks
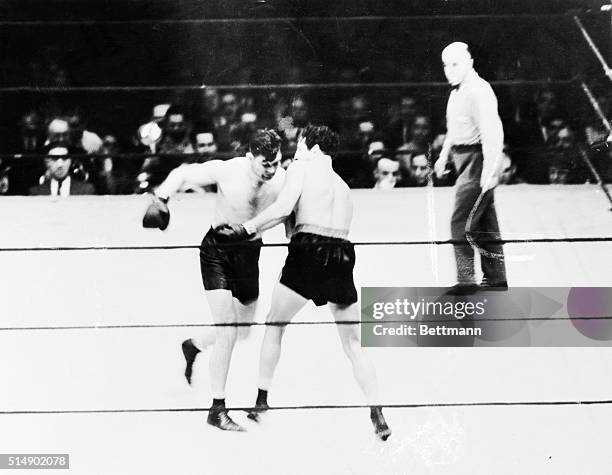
point(235, 267)
point(320, 268)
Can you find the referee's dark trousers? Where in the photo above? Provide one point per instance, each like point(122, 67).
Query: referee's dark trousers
point(484, 226)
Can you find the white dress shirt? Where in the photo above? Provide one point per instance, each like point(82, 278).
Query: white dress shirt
point(60, 188)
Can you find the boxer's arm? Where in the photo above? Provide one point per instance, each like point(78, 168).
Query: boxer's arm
point(199, 174)
point(284, 204)
point(491, 136)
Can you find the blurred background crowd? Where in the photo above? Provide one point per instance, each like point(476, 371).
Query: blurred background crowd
point(73, 91)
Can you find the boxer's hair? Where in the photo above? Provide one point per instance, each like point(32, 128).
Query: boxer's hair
point(265, 142)
point(323, 136)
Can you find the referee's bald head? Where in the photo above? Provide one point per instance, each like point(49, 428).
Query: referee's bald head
point(457, 62)
point(456, 50)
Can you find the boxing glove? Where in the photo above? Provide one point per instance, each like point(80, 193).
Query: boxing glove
point(157, 214)
point(231, 232)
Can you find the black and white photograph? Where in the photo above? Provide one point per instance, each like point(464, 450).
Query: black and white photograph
point(269, 237)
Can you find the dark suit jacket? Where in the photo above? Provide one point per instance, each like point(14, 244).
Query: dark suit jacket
point(76, 188)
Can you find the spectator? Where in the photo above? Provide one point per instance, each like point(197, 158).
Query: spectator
point(211, 104)
point(533, 132)
point(508, 175)
point(19, 174)
point(206, 147)
point(534, 165)
point(205, 144)
point(420, 169)
point(299, 112)
point(57, 180)
point(595, 134)
point(58, 131)
point(600, 152)
point(4, 178)
point(415, 170)
point(405, 162)
point(174, 140)
point(113, 176)
point(291, 126)
point(366, 132)
point(175, 136)
point(551, 130)
point(420, 134)
point(227, 119)
point(81, 138)
point(349, 113)
point(559, 170)
point(357, 167)
point(32, 135)
point(376, 149)
point(564, 164)
point(359, 109)
point(110, 146)
point(149, 134)
point(159, 112)
point(240, 135)
point(279, 109)
point(399, 131)
point(543, 109)
point(386, 174)
point(358, 138)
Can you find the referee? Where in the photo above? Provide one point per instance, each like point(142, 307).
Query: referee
point(474, 144)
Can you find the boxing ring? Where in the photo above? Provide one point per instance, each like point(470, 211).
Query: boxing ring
point(94, 309)
point(92, 329)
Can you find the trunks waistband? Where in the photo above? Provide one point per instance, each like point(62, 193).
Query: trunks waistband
point(475, 147)
point(321, 231)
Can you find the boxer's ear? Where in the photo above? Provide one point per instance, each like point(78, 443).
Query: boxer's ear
point(249, 155)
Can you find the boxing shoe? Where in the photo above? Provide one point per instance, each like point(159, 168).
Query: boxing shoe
point(190, 351)
point(381, 429)
point(220, 419)
point(255, 413)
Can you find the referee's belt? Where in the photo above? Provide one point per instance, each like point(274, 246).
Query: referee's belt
point(475, 147)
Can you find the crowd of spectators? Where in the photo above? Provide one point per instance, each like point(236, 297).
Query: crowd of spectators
point(387, 145)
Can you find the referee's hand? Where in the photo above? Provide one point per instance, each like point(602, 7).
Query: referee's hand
point(489, 179)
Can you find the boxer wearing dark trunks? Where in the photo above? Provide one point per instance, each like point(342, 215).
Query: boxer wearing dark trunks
point(319, 265)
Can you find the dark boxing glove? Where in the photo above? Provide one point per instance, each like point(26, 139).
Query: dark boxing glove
point(232, 232)
point(158, 214)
